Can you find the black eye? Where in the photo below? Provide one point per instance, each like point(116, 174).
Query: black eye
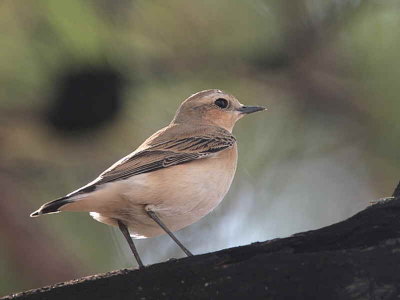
point(220, 102)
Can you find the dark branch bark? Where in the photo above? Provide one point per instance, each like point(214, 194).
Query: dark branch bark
point(358, 258)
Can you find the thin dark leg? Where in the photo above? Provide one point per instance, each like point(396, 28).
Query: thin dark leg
point(153, 215)
point(128, 238)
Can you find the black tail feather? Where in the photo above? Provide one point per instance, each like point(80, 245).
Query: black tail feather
point(51, 207)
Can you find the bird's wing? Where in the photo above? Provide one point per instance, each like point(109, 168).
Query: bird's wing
point(167, 154)
point(162, 155)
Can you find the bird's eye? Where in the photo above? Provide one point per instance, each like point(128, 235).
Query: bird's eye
point(220, 102)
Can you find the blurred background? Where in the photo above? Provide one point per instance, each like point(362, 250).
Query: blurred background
point(82, 83)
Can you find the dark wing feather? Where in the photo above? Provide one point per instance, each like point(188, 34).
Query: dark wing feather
point(162, 155)
point(144, 162)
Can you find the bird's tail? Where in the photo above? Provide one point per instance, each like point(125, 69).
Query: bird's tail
point(51, 207)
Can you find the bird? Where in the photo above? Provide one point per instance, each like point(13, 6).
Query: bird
point(173, 179)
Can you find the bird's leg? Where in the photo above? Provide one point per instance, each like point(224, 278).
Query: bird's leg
point(153, 215)
point(128, 238)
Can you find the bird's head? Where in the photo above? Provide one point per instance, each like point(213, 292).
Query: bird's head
point(213, 107)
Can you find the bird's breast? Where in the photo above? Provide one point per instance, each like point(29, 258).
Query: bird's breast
point(196, 187)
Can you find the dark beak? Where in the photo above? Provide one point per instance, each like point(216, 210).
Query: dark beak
point(250, 109)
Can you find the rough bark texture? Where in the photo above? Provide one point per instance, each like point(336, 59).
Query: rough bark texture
point(358, 258)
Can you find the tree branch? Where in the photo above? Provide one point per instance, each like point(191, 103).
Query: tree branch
point(358, 258)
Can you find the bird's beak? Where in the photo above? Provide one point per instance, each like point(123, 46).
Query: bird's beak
point(250, 109)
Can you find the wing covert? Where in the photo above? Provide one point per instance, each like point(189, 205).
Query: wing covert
point(162, 155)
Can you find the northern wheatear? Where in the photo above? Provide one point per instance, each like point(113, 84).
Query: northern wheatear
point(176, 177)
